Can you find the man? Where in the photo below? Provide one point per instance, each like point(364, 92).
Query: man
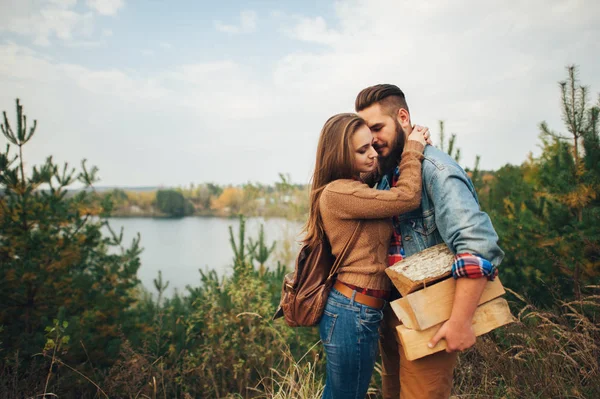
point(449, 213)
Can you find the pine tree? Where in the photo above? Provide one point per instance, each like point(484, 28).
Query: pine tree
point(568, 176)
point(54, 258)
point(449, 149)
point(260, 251)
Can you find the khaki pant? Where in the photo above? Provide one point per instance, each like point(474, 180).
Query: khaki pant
point(427, 378)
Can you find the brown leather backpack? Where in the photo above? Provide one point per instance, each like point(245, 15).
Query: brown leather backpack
point(305, 291)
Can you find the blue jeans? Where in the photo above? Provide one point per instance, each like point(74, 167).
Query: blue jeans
point(350, 333)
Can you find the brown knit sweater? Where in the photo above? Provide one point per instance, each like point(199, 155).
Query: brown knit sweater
point(343, 202)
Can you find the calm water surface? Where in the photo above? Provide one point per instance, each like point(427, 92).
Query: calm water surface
point(179, 247)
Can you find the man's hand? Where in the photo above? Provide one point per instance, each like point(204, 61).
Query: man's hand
point(458, 330)
point(459, 335)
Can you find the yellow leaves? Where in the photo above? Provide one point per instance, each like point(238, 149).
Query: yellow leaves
point(509, 207)
point(580, 197)
point(10, 275)
point(591, 268)
point(143, 199)
point(230, 200)
point(580, 171)
point(62, 285)
point(100, 315)
point(15, 216)
point(107, 330)
point(87, 209)
point(488, 178)
point(67, 258)
point(113, 279)
point(531, 170)
point(145, 328)
point(545, 195)
point(548, 242)
point(532, 271)
point(28, 277)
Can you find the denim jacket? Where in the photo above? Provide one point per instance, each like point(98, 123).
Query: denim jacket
point(449, 212)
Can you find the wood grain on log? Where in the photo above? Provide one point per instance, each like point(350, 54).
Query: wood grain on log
point(487, 317)
point(422, 269)
point(433, 304)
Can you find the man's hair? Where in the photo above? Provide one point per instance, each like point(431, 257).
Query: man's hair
point(390, 97)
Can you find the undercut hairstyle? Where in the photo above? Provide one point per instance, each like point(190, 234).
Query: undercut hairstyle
point(390, 97)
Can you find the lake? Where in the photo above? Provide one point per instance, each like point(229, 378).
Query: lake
point(179, 247)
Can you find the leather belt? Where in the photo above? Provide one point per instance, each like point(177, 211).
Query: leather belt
point(371, 301)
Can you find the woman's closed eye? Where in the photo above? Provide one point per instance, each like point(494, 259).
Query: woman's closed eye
point(363, 150)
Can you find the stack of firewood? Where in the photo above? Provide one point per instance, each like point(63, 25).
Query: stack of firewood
point(427, 288)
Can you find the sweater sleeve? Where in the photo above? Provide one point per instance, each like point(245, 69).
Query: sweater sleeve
point(349, 199)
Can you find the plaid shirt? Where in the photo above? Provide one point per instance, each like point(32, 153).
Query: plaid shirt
point(465, 264)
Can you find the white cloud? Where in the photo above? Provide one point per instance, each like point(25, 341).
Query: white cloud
point(199, 115)
point(113, 83)
point(106, 7)
point(488, 69)
point(45, 21)
point(314, 30)
point(247, 24)
point(223, 88)
point(202, 73)
point(84, 43)
point(21, 64)
point(64, 3)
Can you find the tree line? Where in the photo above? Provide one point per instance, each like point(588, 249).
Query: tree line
point(282, 199)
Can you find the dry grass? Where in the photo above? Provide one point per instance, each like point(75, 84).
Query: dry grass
point(545, 354)
point(299, 379)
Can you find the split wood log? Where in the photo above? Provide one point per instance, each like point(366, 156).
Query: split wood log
point(487, 317)
point(422, 269)
point(433, 304)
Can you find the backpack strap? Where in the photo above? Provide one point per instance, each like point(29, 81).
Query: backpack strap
point(347, 247)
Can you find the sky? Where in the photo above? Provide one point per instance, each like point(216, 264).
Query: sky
point(168, 93)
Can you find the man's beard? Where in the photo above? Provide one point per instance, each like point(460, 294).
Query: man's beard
point(388, 163)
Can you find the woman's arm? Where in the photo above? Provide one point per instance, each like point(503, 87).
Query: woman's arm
point(349, 199)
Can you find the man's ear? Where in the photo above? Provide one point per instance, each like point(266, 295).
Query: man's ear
point(403, 118)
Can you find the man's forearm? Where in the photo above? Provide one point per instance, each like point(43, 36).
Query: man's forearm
point(466, 297)
point(458, 330)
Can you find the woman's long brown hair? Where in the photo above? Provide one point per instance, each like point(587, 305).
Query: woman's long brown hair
point(334, 161)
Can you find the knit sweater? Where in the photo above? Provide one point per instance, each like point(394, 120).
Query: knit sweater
point(344, 202)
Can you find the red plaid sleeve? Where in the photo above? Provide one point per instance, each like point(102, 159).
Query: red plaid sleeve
point(473, 266)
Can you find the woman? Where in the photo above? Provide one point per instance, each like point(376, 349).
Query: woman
point(349, 327)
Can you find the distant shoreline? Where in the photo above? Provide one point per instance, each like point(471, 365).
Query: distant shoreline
point(155, 216)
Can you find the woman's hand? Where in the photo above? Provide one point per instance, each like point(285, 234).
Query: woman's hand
point(420, 134)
